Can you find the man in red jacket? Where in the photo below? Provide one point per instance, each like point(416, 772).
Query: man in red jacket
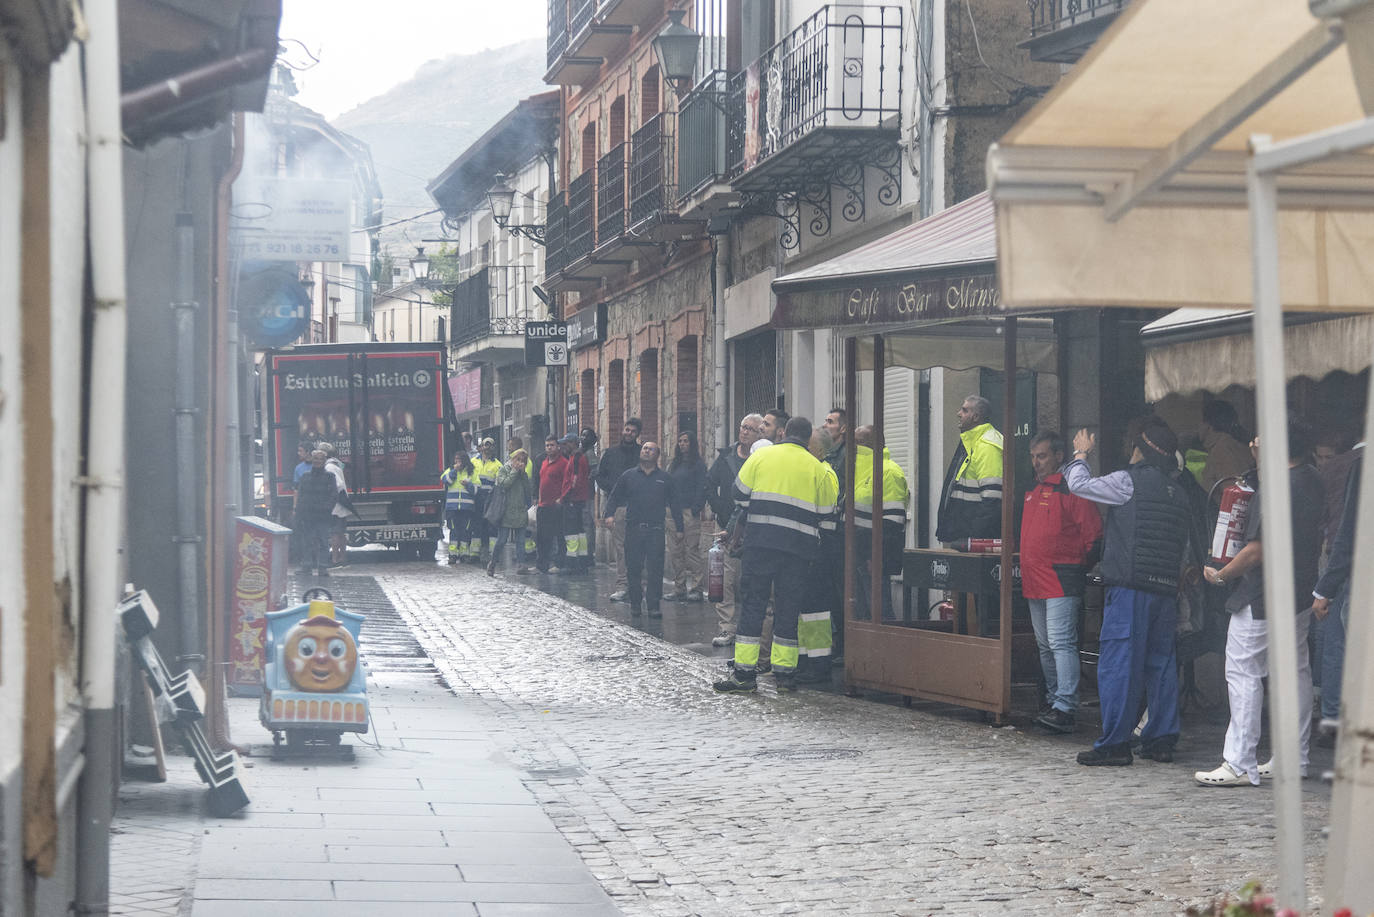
point(548, 518)
point(1059, 534)
point(577, 491)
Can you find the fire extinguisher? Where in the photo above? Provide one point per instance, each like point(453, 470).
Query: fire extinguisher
point(1228, 536)
point(715, 572)
point(979, 545)
point(941, 611)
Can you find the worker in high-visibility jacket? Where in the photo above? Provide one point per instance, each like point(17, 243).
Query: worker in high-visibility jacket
point(896, 495)
point(460, 507)
point(488, 467)
point(825, 585)
point(785, 493)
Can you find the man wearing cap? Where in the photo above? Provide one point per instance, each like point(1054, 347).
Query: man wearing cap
point(577, 490)
point(1147, 528)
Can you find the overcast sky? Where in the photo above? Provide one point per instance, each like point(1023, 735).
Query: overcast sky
point(366, 48)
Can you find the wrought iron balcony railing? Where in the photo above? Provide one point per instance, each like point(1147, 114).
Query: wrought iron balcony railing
point(558, 30)
point(581, 16)
point(652, 187)
point(556, 236)
point(610, 194)
point(494, 301)
point(581, 231)
point(701, 134)
point(1053, 15)
point(841, 68)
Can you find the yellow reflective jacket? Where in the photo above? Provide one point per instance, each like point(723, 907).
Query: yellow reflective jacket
point(895, 492)
point(786, 493)
point(971, 502)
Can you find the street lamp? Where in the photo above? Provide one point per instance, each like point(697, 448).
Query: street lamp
point(419, 265)
point(676, 47)
point(501, 199)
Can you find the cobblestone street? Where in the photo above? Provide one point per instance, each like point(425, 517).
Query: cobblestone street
point(684, 802)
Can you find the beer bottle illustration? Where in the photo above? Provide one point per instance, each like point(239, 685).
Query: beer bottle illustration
point(400, 442)
point(341, 433)
point(376, 445)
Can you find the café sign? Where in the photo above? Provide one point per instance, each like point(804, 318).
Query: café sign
point(896, 302)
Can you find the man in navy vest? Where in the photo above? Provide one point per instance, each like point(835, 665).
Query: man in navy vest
point(1147, 528)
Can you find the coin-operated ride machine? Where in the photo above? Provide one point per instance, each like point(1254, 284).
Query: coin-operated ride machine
point(314, 686)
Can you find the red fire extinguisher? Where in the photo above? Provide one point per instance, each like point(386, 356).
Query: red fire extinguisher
point(1227, 537)
point(979, 545)
point(715, 572)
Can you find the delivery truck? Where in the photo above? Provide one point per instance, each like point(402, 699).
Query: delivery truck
point(382, 407)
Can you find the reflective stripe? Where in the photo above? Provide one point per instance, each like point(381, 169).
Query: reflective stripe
point(813, 633)
point(785, 655)
point(746, 653)
point(785, 524)
point(808, 505)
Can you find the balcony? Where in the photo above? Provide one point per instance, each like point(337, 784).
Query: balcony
point(701, 139)
point(826, 96)
point(489, 312)
point(1063, 30)
point(580, 40)
point(654, 215)
point(610, 194)
point(581, 232)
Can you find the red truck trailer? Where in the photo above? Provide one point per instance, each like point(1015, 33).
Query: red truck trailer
point(382, 407)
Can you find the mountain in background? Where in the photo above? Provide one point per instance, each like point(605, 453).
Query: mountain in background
point(416, 128)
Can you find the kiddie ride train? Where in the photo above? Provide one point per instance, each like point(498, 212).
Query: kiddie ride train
point(314, 689)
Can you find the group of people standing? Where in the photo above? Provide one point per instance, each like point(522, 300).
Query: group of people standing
point(488, 502)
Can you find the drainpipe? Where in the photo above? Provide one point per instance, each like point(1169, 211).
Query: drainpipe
point(104, 509)
point(718, 341)
point(184, 308)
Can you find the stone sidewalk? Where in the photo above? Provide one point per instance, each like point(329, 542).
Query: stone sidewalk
point(431, 818)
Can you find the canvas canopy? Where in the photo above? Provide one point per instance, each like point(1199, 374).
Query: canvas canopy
point(1125, 186)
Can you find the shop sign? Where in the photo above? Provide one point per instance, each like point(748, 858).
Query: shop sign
point(466, 391)
point(587, 327)
point(546, 343)
point(890, 303)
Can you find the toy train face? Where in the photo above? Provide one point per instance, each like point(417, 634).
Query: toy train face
point(312, 679)
point(320, 655)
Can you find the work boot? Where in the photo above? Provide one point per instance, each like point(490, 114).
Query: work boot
point(1057, 720)
point(786, 681)
point(1106, 756)
point(453, 560)
point(722, 639)
point(491, 568)
point(736, 683)
point(620, 596)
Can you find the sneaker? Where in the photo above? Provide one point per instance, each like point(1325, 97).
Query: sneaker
point(1107, 756)
point(1163, 753)
point(491, 569)
point(620, 596)
point(735, 683)
point(786, 682)
point(722, 639)
point(675, 597)
point(554, 569)
point(655, 612)
point(695, 596)
point(1225, 775)
point(1057, 720)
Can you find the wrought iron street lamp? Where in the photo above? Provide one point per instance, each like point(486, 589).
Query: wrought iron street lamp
point(501, 199)
point(676, 47)
point(419, 265)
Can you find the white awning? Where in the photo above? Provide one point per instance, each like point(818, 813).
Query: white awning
point(1203, 350)
point(1125, 186)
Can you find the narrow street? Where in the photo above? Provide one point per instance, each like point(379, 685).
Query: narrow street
point(681, 801)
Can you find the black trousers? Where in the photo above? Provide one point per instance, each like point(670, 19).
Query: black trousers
point(548, 536)
point(787, 577)
point(644, 558)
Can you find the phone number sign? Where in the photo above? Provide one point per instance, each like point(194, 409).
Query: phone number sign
point(294, 219)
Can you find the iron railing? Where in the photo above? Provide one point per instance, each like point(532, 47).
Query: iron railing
point(558, 30)
point(839, 68)
point(1053, 15)
point(610, 194)
point(651, 168)
point(493, 301)
point(581, 232)
point(701, 134)
point(581, 16)
point(556, 236)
